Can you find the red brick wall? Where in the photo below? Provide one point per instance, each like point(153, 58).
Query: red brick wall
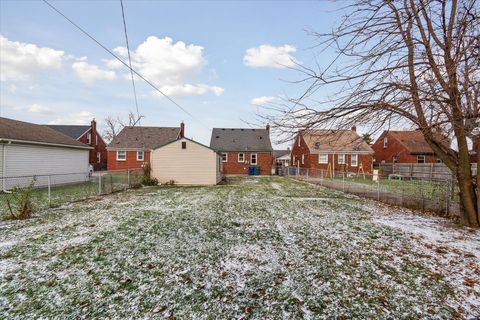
point(100, 147)
point(311, 160)
point(130, 163)
point(395, 148)
point(232, 166)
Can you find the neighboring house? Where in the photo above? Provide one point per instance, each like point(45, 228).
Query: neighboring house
point(403, 147)
point(282, 157)
point(337, 150)
point(132, 147)
point(242, 148)
point(186, 162)
point(89, 136)
point(28, 149)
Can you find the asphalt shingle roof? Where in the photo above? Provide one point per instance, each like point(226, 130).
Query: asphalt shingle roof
point(319, 141)
point(238, 139)
point(280, 153)
point(414, 141)
point(18, 130)
point(73, 131)
point(144, 137)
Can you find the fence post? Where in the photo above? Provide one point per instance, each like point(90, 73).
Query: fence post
point(49, 192)
point(447, 187)
point(378, 187)
point(99, 184)
point(307, 174)
point(128, 177)
point(321, 177)
point(343, 181)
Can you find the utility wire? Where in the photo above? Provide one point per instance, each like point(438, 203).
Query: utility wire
point(125, 64)
point(130, 60)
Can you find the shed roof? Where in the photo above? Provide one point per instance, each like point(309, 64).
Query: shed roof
point(144, 137)
point(319, 141)
point(73, 131)
point(281, 153)
point(24, 131)
point(240, 139)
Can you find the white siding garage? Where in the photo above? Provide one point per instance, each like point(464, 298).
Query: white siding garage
point(186, 162)
point(63, 164)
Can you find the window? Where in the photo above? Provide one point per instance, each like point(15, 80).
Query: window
point(394, 159)
point(241, 157)
point(421, 158)
point(184, 145)
point(224, 157)
point(323, 158)
point(253, 158)
point(89, 138)
point(341, 159)
point(385, 142)
point(354, 160)
point(121, 155)
point(382, 162)
point(439, 160)
point(303, 159)
point(298, 141)
point(99, 157)
point(140, 155)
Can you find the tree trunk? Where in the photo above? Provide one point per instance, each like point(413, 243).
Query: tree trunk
point(468, 198)
point(478, 178)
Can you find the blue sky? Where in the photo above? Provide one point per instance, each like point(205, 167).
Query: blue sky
point(214, 58)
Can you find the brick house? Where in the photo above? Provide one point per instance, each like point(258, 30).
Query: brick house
point(337, 150)
point(403, 147)
point(132, 147)
point(242, 148)
point(89, 136)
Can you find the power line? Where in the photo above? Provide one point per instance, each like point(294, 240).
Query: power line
point(130, 60)
point(125, 64)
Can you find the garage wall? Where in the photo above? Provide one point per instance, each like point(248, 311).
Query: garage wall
point(195, 165)
point(24, 160)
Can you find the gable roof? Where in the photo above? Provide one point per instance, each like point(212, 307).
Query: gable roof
point(185, 139)
point(73, 131)
point(335, 141)
point(281, 153)
point(414, 141)
point(239, 139)
point(144, 137)
point(14, 130)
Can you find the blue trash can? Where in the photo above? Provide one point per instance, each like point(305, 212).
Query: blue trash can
point(251, 170)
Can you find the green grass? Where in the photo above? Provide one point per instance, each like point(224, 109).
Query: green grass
point(257, 248)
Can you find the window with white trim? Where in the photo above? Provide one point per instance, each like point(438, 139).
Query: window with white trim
point(89, 138)
point(298, 141)
point(121, 155)
point(303, 159)
point(323, 158)
point(99, 157)
point(385, 142)
point(421, 158)
point(341, 159)
point(140, 155)
point(224, 157)
point(241, 157)
point(354, 160)
point(438, 160)
point(394, 159)
point(253, 158)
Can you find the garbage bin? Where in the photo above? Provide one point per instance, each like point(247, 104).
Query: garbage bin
point(251, 170)
point(257, 170)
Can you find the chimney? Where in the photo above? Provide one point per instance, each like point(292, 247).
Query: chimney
point(354, 128)
point(268, 127)
point(182, 130)
point(93, 132)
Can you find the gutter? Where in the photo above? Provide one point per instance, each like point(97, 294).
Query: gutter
point(44, 143)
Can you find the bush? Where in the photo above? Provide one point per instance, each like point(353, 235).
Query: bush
point(148, 181)
point(136, 185)
point(22, 202)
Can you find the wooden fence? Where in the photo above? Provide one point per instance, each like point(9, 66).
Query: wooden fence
point(430, 171)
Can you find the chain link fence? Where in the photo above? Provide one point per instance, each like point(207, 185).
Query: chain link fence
point(54, 190)
point(438, 195)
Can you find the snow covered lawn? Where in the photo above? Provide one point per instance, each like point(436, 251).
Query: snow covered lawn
point(259, 248)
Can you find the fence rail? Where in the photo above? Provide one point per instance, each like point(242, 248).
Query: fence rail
point(436, 195)
point(57, 189)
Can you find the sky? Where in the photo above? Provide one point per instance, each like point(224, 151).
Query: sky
point(219, 60)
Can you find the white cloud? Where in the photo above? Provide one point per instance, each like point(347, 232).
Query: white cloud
point(82, 117)
point(89, 73)
point(270, 56)
point(34, 108)
point(20, 60)
point(262, 101)
point(170, 65)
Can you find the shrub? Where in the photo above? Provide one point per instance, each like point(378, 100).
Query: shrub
point(148, 181)
point(22, 202)
point(136, 185)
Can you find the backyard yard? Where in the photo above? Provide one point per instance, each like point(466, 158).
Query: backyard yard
point(259, 248)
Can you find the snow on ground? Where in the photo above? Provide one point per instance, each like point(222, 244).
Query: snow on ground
point(257, 248)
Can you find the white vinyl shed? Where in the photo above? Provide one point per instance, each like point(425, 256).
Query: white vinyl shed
point(28, 150)
point(186, 162)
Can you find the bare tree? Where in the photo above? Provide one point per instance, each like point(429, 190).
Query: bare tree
point(411, 63)
point(114, 125)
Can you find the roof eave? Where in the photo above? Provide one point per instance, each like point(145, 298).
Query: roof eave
point(6, 140)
